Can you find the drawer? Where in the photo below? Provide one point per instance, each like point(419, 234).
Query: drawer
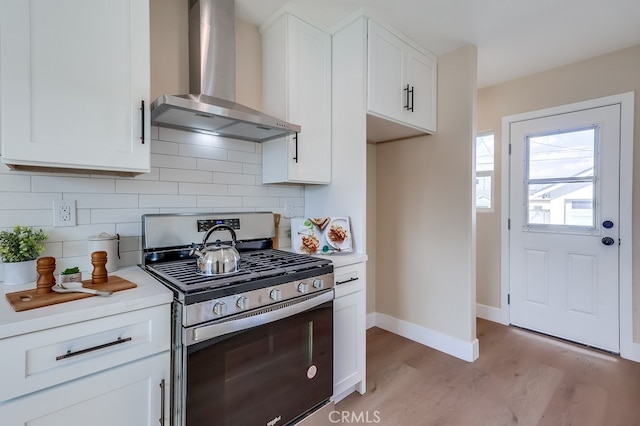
point(349, 279)
point(46, 358)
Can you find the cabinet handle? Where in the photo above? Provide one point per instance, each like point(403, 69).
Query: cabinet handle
point(409, 95)
point(411, 91)
point(406, 97)
point(162, 391)
point(347, 281)
point(70, 354)
point(142, 113)
point(295, 138)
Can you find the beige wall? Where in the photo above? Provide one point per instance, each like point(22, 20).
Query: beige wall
point(372, 220)
point(610, 74)
point(425, 272)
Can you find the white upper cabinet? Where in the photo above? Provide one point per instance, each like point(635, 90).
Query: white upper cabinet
point(296, 64)
point(73, 78)
point(402, 81)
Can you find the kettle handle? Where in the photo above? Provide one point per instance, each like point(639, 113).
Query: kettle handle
point(217, 228)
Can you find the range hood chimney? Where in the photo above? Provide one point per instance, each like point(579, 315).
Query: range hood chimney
point(210, 107)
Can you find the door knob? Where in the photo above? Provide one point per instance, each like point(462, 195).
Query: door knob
point(607, 224)
point(608, 241)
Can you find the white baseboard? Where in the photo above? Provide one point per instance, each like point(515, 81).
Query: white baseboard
point(467, 351)
point(490, 313)
point(630, 351)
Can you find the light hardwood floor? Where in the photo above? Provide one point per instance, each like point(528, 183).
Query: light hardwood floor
point(521, 378)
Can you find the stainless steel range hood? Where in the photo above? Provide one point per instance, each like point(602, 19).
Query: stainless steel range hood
point(211, 106)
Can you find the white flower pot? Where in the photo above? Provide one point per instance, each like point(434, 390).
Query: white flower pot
point(20, 272)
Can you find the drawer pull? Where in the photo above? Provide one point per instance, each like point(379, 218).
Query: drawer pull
point(347, 281)
point(70, 354)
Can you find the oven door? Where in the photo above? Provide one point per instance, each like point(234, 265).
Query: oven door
point(268, 367)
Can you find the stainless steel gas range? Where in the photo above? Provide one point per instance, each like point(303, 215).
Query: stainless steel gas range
point(253, 346)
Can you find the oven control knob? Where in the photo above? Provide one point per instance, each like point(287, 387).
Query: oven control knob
point(318, 284)
point(242, 303)
point(303, 288)
point(275, 294)
point(219, 308)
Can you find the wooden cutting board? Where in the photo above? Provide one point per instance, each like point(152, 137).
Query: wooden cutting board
point(28, 299)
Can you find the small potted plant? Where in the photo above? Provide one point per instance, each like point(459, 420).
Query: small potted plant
point(70, 275)
point(19, 249)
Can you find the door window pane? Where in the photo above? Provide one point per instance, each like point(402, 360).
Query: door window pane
point(561, 179)
point(561, 155)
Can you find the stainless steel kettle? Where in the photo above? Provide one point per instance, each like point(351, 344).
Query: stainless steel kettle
point(217, 259)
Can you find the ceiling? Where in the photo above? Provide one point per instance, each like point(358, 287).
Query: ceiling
point(514, 37)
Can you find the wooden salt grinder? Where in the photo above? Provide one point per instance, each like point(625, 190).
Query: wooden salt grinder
point(45, 267)
point(99, 274)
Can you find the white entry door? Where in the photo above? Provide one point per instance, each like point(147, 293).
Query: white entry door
point(564, 225)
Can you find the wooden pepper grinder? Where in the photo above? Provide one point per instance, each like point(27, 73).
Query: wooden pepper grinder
point(99, 274)
point(45, 267)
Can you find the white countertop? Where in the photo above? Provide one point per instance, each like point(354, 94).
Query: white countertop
point(149, 292)
point(339, 260)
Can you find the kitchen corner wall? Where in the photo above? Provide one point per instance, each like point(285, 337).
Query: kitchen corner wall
point(190, 172)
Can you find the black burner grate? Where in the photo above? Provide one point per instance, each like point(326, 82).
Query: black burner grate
point(254, 265)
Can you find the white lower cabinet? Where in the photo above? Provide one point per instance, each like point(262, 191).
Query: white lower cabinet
point(349, 324)
point(113, 370)
point(134, 394)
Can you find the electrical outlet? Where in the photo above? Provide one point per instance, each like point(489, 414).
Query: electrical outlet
point(288, 210)
point(64, 213)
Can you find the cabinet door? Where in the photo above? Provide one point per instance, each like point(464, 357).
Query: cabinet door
point(386, 82)
point(310, 102)
point(130, 395)
point(73, 77)
point(421, 77)
point(349, 342)
point(297, 86)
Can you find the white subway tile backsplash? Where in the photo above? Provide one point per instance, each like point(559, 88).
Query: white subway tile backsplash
point(118, 215)
point(233, 178)
point(219, 166)
point(92, 201)
point(162, 147)
point(146, 187)
point(190, 173)
point(178, 175)
point(200, 151)
point(173, 162)
point(182, 136)
point(260, 202)
point(248, 190)
point(29, 200)
point(75, 248)
point(245, 157)
point(285, 191)
point(214, 203)
point(54, 183)
point(251, 169)
point(167, 201)
point(154, 174)
point(35, 218)
point(187, 188)
point(17, 183)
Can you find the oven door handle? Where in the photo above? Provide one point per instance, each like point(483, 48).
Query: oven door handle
point(271, 313)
